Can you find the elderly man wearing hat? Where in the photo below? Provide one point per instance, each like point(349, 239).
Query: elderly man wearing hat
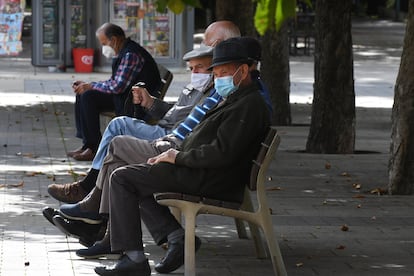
point(213, 161)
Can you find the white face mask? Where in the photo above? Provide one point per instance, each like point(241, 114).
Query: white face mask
point(199, 80)
point(108, 51)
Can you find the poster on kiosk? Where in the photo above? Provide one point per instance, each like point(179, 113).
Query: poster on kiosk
point(140, 21)
point(11, 21)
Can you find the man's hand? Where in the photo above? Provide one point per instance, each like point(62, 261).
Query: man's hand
point(80, 87)
point(142, 97)
point(167, 156)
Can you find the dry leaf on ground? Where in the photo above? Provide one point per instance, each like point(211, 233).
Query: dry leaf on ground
point(21, 184)
point(344, 228)
point(273, 189)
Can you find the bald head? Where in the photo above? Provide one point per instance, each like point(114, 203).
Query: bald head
point(219, 31)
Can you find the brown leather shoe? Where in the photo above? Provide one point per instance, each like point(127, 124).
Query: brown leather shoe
point(86, 155)
point(68, 193)
point(74, 152)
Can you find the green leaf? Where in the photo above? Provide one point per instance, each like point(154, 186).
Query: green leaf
point(176, 6)
point(263, 16)
point(284, 10)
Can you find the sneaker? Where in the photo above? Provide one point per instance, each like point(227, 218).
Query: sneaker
point(74, 212)
point(68, 193)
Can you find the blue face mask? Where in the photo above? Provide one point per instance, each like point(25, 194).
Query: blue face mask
point(225, 85)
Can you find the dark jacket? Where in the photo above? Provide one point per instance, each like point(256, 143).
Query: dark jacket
point(149, 74)
point(215, 159)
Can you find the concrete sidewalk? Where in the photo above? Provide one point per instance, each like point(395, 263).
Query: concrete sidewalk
point(313, 198)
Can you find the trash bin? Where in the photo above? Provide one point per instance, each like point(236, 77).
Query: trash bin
point(83, 59)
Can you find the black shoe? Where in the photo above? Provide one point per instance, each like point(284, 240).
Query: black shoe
point(49, 213)
point(87, 234)
point(125, 267)
point(98, 250)
point(174, 258)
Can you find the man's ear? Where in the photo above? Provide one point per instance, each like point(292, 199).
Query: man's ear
point(244, 71)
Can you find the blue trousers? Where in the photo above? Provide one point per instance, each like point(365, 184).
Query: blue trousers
point(124, 125)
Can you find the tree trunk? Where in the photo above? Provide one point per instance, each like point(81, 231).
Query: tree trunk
point(332, 127)
point(275, 72)
point(241, 12)
point(401, 165)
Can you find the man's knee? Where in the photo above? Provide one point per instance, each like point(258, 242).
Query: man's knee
point(118, 177)
point(117, 124)
point(117, 141)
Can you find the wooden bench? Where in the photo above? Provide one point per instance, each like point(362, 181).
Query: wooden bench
point(191, 206)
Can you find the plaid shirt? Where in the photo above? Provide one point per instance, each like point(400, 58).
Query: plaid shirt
point(130, 66)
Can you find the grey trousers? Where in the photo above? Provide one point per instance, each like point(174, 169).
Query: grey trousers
point(125, 150)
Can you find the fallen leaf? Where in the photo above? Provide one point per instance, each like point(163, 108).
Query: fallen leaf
point(33, 173)
point(356, 186)
point(379, 191)
point(340, 247)
point(374, 218)
point(327, 165)
point(299, 264)
point(21, 184)
point(359, 206)
point(273, 189)
point(358, 196)
point(344, 228)
point(28, 154)
point(269, 178)
point(345, 174)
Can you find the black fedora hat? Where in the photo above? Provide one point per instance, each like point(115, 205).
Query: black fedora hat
point(230, 51)
point(254, 49)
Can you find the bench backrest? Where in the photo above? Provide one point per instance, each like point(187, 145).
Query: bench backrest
point(267, 150)
point(166, 79)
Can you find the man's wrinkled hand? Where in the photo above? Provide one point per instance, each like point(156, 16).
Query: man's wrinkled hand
point(82, 87)
point(167, 156)
point(142, 97)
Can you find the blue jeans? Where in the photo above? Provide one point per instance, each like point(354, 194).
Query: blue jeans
point(124, 125)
